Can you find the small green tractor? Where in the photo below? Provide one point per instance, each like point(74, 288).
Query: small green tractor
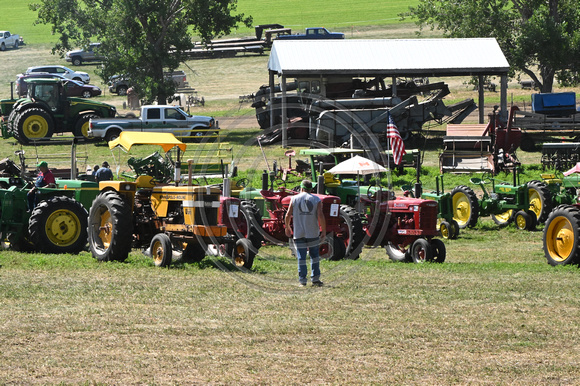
point(505, 203)
point(47, 110)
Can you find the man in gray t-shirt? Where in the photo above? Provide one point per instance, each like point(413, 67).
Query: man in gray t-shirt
point(309, 229)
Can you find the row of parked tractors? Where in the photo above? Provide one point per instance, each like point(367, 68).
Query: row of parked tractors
point(186, 222)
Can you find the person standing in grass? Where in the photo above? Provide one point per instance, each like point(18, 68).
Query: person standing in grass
point(308, 231)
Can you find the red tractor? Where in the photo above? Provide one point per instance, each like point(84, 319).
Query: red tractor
point(405, 226)
point(344, 231)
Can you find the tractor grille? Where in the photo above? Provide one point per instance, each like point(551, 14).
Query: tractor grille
point(428, 219)
point(208, 214)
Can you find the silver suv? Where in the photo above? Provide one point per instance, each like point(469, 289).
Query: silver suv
point(61, 70)
point(89, 54)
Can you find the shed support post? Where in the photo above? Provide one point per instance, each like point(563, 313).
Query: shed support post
point(394, 86)
point(503, 98)
point(481, 98)
point(284, 125)
point(272, 95)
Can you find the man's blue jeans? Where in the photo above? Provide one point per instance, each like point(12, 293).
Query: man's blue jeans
point(301, 246)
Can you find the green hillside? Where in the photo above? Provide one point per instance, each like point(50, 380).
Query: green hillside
point(296, 14)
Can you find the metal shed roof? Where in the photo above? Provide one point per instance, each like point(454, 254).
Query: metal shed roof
point(388, 57)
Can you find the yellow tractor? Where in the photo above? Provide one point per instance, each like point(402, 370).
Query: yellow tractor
point(166, 219)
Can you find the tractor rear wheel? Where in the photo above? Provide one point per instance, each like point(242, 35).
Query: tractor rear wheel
point(562, 236)
point(465, 206)
point(82, 126)
point(253, 222)
point(58, 225)
point(397, 254)
point(243, 254)
point(421, 251)
point(32, 124)
point(503, 219)
point(161, 250)
point(351, 231)
point(110, 227)
point(540, 200)
point(332, 248)
point(439, 250)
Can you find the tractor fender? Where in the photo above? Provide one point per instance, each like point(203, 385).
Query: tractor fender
point(36, 104)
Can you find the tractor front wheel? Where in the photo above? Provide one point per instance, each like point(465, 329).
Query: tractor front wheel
point(161, 250)
point(439, 250)
point(243, 254)
point(110, 227)
point(465, 206)
point(562, 236)
point(525, 220)
point(58, 225)
point(540, 200)
point(421, 251)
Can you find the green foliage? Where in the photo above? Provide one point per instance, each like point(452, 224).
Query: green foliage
point(140, 38)
point(540, 38)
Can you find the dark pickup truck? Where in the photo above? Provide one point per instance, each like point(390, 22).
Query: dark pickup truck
point(314, 33)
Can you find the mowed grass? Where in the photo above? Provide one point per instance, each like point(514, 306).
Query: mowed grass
point(495, 314)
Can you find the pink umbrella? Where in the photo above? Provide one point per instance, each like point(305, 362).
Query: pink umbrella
point(575, 169)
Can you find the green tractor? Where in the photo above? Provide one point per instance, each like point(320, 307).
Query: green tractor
point(58, 223)
point(47, 110)
point(505, 203)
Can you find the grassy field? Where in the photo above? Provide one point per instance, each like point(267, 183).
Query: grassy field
point(494, 313)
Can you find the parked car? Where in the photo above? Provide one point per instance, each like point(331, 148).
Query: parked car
point(73, 87)
point(89, 54)
point(61, 70)
point(119, 84)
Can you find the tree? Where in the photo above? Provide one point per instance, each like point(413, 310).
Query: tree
point(540, 38)
point(141, 39)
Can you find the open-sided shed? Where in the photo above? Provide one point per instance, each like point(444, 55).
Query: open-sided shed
point(389, 58)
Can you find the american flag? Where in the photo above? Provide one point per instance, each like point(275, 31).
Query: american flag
point(397, 145)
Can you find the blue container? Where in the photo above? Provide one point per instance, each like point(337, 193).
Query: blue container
point(558, 104)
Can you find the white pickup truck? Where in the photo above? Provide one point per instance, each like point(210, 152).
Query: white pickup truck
point(8, 40)
point(155, 119)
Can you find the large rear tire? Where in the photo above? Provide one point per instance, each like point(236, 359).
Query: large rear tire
point(253, 224)
point(351, 231)
point(110, 227)
point(33, 124)
point(503, 219)
point(58, 225)
point(465, 206)
point(562, 236)
point(82, 126)
point(332, 248)
point(397, 254)
point(540, 200)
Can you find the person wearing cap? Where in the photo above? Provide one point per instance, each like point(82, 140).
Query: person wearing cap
point(104, 173)
point(44, 179)
point(307, 232)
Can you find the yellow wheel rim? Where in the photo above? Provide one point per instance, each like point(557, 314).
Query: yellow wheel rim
point(106, 229)
point(505, 216)
point(521, 222)
point(535, 202)
point(63, 228)
point(560, 238)
point(35, 126)
point(157, 252)
point(240, 254)
point(462, 208)
point(444, 229)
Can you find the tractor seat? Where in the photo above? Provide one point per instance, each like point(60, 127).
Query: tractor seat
point(330, 181)
point(290, 153)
